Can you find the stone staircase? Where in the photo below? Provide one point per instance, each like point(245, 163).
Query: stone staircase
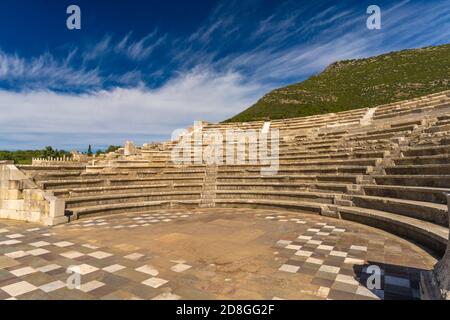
point(209, 187)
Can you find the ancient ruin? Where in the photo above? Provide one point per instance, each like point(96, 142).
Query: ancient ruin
point(386, 167)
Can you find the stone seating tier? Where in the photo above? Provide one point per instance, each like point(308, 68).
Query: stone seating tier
point(386, 167)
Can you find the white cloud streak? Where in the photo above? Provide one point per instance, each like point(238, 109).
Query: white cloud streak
point(206, 84)
point(200, 94)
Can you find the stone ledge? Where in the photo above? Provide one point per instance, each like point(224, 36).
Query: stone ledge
point(435, 284)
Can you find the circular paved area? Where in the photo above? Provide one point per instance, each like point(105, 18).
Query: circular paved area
point(206, 254)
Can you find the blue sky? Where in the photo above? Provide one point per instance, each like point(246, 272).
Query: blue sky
point(137, 70)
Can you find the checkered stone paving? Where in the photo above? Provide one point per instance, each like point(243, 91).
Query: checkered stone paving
point(206, 254)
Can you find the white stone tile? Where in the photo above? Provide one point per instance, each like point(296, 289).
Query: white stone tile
point(304, 237)
point(19, 288)
point(63, 244)
point(293, 247)
point(324, 247)
point(38, 252)
point(100, 254)
point(329, 269)
point(92, 285)
point(10, 242)
point(354, 261)
point(358, 248)
point(338, 253)
point(90, 246)
point(289, 268)
point(313, 230)
point(3, 231)
point(323, 292)
point(180, 267)
point(114, 268)
point(346, 279)
point(155, 282)
point(39, 244)
point(23, 271)
point(52, 286)
point(148, 269)
point(134, 256)
point(83, 269)
point(48, 268)
point(303, 253)
point(16, 254)
point(72, 254)
point(14, 236)
point(314, 260)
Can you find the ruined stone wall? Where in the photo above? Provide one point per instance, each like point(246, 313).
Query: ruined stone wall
point(21, 199)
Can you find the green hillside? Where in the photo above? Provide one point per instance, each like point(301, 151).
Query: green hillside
point(362, 83)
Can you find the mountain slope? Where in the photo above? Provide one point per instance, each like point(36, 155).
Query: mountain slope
point(353, 84)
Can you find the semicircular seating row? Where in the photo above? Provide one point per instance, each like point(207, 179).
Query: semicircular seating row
point(391, 172)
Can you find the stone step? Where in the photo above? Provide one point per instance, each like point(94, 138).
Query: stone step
point(426, 151)
point(282, 169)
point(323, 187)
point(423, 160)
point(438, 128)
point(427, 194)
point(435, 181)
point(427, 211)
point(103, 199)
point(427, 234)
point(306, 207)
point(132, 207)
point(123, 189)
point(381, 132)
point(291, 178)
point(58, 184)
point(135, 181)
point(429, 169)
point(76, 176)
point(327, 198)
point(53, 168)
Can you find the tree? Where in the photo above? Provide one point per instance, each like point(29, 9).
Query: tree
point(112, 148)
point(89, 152)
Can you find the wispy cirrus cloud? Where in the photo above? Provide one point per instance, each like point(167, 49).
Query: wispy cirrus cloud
point(140, 49)
point(45, 71)
point(121, 113)
point(126, 86)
